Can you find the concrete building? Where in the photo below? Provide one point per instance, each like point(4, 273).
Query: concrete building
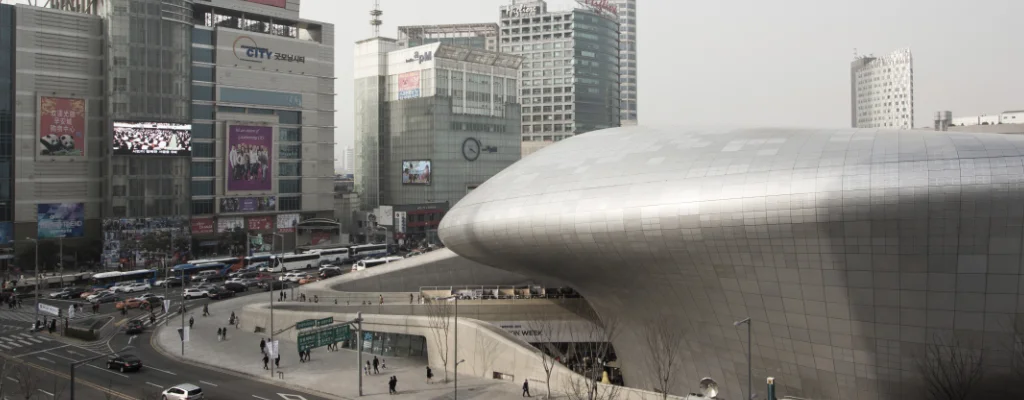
point(570, 75)
point(882, 91)
point(474, 36)
point(853, 251)
point(627, 61)
point(349, 160)
point(7, 101)
point(1005, 117)
point(432, 122)
point(262, 119)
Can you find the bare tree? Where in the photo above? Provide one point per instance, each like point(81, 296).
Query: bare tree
point(547, 331)
point(950, 372)
point(664, 343)
point(591, 346)
point(27, 380)
point(5, 370)
point(439, 318)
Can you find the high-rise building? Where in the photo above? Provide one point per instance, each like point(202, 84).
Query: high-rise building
point(882, 91)
point(570, 75)
point(349, 160)
point(262, 121)
point(432, 123)
point(627, 61)
point(475, 36)
point(7, 101)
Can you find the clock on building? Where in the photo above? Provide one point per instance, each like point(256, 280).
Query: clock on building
point(471, 149)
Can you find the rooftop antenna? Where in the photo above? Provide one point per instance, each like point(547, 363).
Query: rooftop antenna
point(375, 21)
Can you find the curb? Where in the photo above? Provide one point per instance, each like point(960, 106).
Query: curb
point(245, 375)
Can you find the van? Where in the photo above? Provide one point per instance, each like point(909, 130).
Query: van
point(204, 274)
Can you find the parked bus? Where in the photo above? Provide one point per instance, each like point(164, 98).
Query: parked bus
point(108, 279)
point(295, 262)
point(235, 263)
point(370, 263)
point(360, 252)
point(337, 255)
point(257, 259)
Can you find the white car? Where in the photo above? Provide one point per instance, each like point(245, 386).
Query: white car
point(192, 293)
point(117, 287)
point(289, 277)
point(136, 287)
point(184, 391)
point(97, 294)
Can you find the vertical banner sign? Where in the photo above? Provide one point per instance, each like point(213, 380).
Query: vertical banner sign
point(249, 158)
point(61, 126)
point(401, 219)
point(409, 85)
point(60, 220)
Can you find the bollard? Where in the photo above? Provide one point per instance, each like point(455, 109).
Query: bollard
point(771, 388)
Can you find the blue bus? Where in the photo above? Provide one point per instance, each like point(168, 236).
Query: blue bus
point(107, 279)
point(190, 270)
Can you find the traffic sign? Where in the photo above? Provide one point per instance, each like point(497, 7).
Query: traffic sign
point(307, 340)
point(307, 323)
point(46, 308)
point(323, 337)
point(325, 321)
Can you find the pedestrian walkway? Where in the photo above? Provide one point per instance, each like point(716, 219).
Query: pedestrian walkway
point(330, 372)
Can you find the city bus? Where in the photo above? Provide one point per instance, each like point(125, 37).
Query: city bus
point(257, 259)
point(108, 279)
point(190, 270)
point(295, 262)
point(336, 255)
point(370, 263)
point(360, 252)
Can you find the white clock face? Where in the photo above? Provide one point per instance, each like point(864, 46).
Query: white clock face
point(471, 149)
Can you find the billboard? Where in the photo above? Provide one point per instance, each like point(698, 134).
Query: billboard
point(60, 220)
point(416, 172)
point(61, 126)
point(385, 215)
point(401, 221)
point(202, 226)
point(286, 223)
point(272, 3)
point(248, 204)
point(409, 85)
point(228, 224)
point(264, 223)
point(152, 138)
point(320, 238)
point(249, 158)
point(6, 233)
point(138, 242)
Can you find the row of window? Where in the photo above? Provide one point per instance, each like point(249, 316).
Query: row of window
point(207, 206)
point(285, 117)
point(207, 187)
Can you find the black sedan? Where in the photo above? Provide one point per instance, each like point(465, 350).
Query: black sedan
point(105, 298)
point(220, 293)
point(236, 287)
point(134, 327)
point(274, 285)
point(124, 363)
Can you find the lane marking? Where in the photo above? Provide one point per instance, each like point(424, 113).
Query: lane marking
point(208, 383)
point(58, 355)
point(107, 370)
point(15, 380)
point(154, 385)
point(5, 346)
point(158, 369)
point(47, 360)
point(261, 398)
point(24, 342)
point(41, 390)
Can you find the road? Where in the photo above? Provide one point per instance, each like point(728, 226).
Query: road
point(39, 363)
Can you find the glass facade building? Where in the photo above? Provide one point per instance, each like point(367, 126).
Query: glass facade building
point(627, 61)
point(7, 29)
point(475, 36)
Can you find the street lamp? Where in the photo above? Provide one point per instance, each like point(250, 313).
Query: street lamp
point(36, 242)
point(750, 381)
point(456, 299)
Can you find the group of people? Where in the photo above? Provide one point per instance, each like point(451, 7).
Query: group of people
point(13, 302)
point(375, 367)
point(265, 350)
point(249, 162)
point(143, 140)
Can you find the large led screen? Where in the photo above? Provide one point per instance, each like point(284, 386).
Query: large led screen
point(152, 138)
point(416, 172)
point(249, 158)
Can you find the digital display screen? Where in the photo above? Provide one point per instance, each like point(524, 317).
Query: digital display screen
point(416, 172)
point(155, 138)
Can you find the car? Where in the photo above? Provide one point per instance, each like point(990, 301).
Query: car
point(97, 294)
point(192, 293)
point(292, 277)
point(273, 285)
point(213, 279)
point(250, 282)
point(184, 391)
point(328, 272)
point(89, 292)
point(307, 278)
point(133, 327)
point(236, 287)
point(220, 293)
point(120, 286)
point(136, 287)
point(67, 293)
point(129, 304)
point(169, 282)
point(150, 297)
point(105, 298)
point(124, 363)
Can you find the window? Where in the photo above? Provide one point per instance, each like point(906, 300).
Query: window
point(202, 131)
point(202, 55)
point(202, 36)
point(229, 109)
point(200, 150)
point(202, 188)
point(289, 169)
point(289, 203)
point(199, 92)
point(262, 97)
point(202, 111)
point(204, 74)
point(290, 117)
point(203, 169)
point(289, 186)
point(292, 151)
point(200, 207)
point(290, 134)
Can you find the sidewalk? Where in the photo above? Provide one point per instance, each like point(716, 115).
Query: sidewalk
point(329, 372)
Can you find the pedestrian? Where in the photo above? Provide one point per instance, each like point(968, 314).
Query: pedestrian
point(381, 299)
point(526, 388)
point(219, 337)
point(308, 354)
point(430, 375)
point(191, 322)
point(376, 363)
point(224, 332)
point(391, 385)
point(277, 361)
point(316, 299)
point(394, 383)
point(266, 362)
point(206, 310)
point(366, 368)
point(335, 301)
point(263, 346)
point(302, 356)
point(410, 298)
point(283, 293)
point(382, 365)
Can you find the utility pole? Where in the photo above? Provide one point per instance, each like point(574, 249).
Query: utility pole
point(359, 349)
point(36, 242)
point(271, 344)
point(182, 312)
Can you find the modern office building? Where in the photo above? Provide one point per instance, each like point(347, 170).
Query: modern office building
point(882, 91)
point(475, 36)
point(7, 99)
point(854, 252)
point(570, 81)
point(262, 88)
point(349, 160)
point(627, 61)
point(432, 123)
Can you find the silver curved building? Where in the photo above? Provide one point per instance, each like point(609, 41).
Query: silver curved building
point(851, 250)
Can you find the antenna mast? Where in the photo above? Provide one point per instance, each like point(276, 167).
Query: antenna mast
point(375, 21)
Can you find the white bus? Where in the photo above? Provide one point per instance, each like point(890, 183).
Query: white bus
point(336, 255)
point(295, 262)
point(370, 263)
point(367, 251)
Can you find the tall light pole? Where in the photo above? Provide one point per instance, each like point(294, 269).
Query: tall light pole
point(36, 242)
point(457, 362)
point(750, 369)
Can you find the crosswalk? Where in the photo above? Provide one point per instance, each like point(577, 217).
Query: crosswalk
point(27, 314)
point(19, 338)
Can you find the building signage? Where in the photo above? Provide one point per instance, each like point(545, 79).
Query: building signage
point(46, 308)
point(325, 321)
point(600, 6)
point(286, 223)
point(264, 223)
point(409, 85)
point(246, 49)
point(61, 126)
point(202, 226)
point(420, 57)
point(320, 238)
point(60, 220)
point(522, 11)
point(248, 204)
point(272, 3)
point(230, 224)
point(401, 219)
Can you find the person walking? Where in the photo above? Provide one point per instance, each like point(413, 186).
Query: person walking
point(366, 368)
point(206, 310)
point(263, 346)
point(302, 356)
point(376, 363)
point(382, 364)
point(381, 299)
point(526, 388)
point(266, 362)
point(277, 361)
point(391, 385)
point(219, 335)
point(410, 298)
point(394, 383)
point(224, 332)
point(430, 375)
point(191, 322)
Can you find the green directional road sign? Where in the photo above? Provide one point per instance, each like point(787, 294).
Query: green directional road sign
point(323, 337)
point(308, 323)
point(343, 332)
point(325, 321)
point(307, 340)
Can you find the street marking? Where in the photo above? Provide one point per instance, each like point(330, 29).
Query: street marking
point(107, 370)
point(37, 341)
point(24, 342)
point(158, 369)
point(286, 396)
point(208, 383)
point(261, 398)
point(41, 390)
point(15, 380)
point(43, 351)
point(154, 385)
point(73, 352)
point(58, 355)
point(5, 346)
point(47, 360)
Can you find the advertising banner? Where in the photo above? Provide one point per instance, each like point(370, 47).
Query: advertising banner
point(273, 3)
point(202, 226)
point(286, 223)
point(264, 223)
point(6, 233)
point(401, 218)
point(60, 220)
point(61, 126)
point(320, 238)
point(385, 215)
point(416, 172)
point(228, 224)
point(138, 242)
point(248, 204)
point(154, 138)
point(409, 85)
point(249, 158)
